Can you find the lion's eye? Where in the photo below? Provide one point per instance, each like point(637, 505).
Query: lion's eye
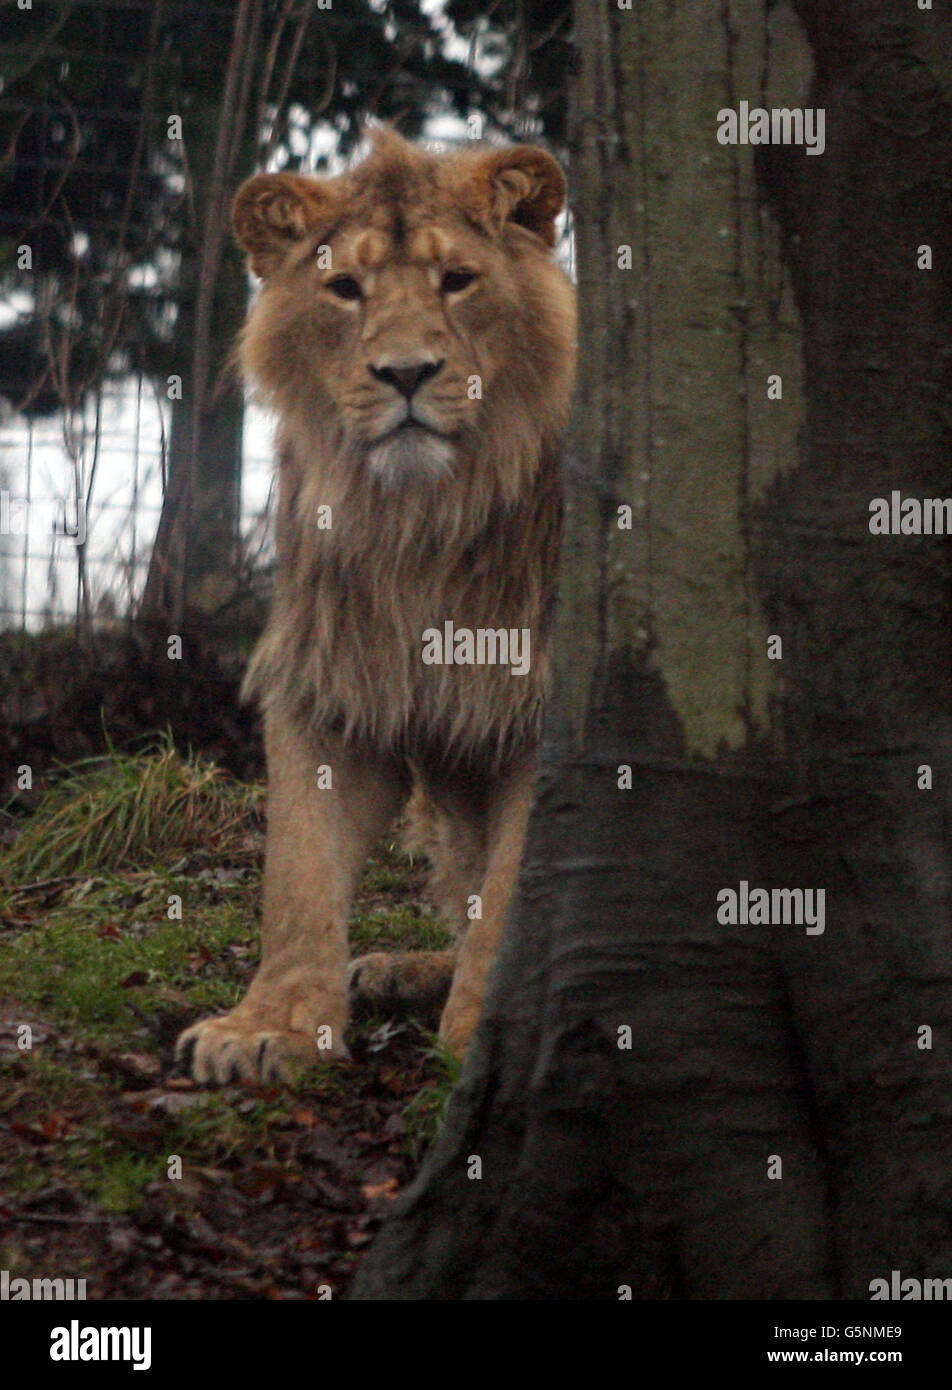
point(345, 287)
point(456, 280)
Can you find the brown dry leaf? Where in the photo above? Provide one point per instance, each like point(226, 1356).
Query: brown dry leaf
point(374, 1190)
point(44, 1131)
point(357, 1238)
point(180, 1083)
point(160, 1101)
point(137, 1066)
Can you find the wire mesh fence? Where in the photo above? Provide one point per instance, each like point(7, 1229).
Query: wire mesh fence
point(103, 490)
point(97, 221)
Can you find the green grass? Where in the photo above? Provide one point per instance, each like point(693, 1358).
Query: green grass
point(86, 887)
point(119, 1182)
point(108, 945)
point(389, 872)
point(87, 965)
point(128, 811)
point(405, 928)
point(426, 1112)
point(42, 1089)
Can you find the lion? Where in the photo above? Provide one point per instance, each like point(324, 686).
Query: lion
point(414, 337)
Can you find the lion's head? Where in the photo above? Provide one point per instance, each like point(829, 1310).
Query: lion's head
point(413, 322)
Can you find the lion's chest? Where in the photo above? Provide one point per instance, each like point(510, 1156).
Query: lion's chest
point(407, 664)
point(388, 628)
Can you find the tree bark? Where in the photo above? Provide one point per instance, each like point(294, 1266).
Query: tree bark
point(193, 566)
point(650, 1166)
point(193, 569)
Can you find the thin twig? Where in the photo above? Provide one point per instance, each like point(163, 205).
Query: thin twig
point(55, 1219)
point(39, 53)
point(46, 883)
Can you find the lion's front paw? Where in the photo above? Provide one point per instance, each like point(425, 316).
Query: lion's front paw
point(372, 977)
point(417, 981)
point(227, 1049)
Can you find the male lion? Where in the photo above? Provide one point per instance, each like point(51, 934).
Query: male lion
point(415, 338)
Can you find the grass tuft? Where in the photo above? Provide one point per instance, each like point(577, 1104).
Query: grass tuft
point(426, 1112)
point(129, 811)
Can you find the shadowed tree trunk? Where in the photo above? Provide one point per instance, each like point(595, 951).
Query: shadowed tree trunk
point(193, 570)
point(655, 1165)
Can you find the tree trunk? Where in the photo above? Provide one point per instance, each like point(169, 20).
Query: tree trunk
point(654, 1165)
point(192, 572)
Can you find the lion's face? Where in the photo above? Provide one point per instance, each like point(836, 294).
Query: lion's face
point(412, 320)
point(410, 302)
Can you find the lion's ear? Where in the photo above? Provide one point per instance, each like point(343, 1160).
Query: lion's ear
point(523, 184)
point(273, 211)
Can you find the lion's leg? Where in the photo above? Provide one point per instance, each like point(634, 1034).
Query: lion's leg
point(317, 839)
point(509, 803)
point(448, 824)
point(445, 825)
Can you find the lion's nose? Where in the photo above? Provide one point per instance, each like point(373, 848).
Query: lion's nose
point(406, 377)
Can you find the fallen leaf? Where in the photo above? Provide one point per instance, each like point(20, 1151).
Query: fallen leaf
point(44, 1131)
point(374, 1190)
point(136, 1066)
